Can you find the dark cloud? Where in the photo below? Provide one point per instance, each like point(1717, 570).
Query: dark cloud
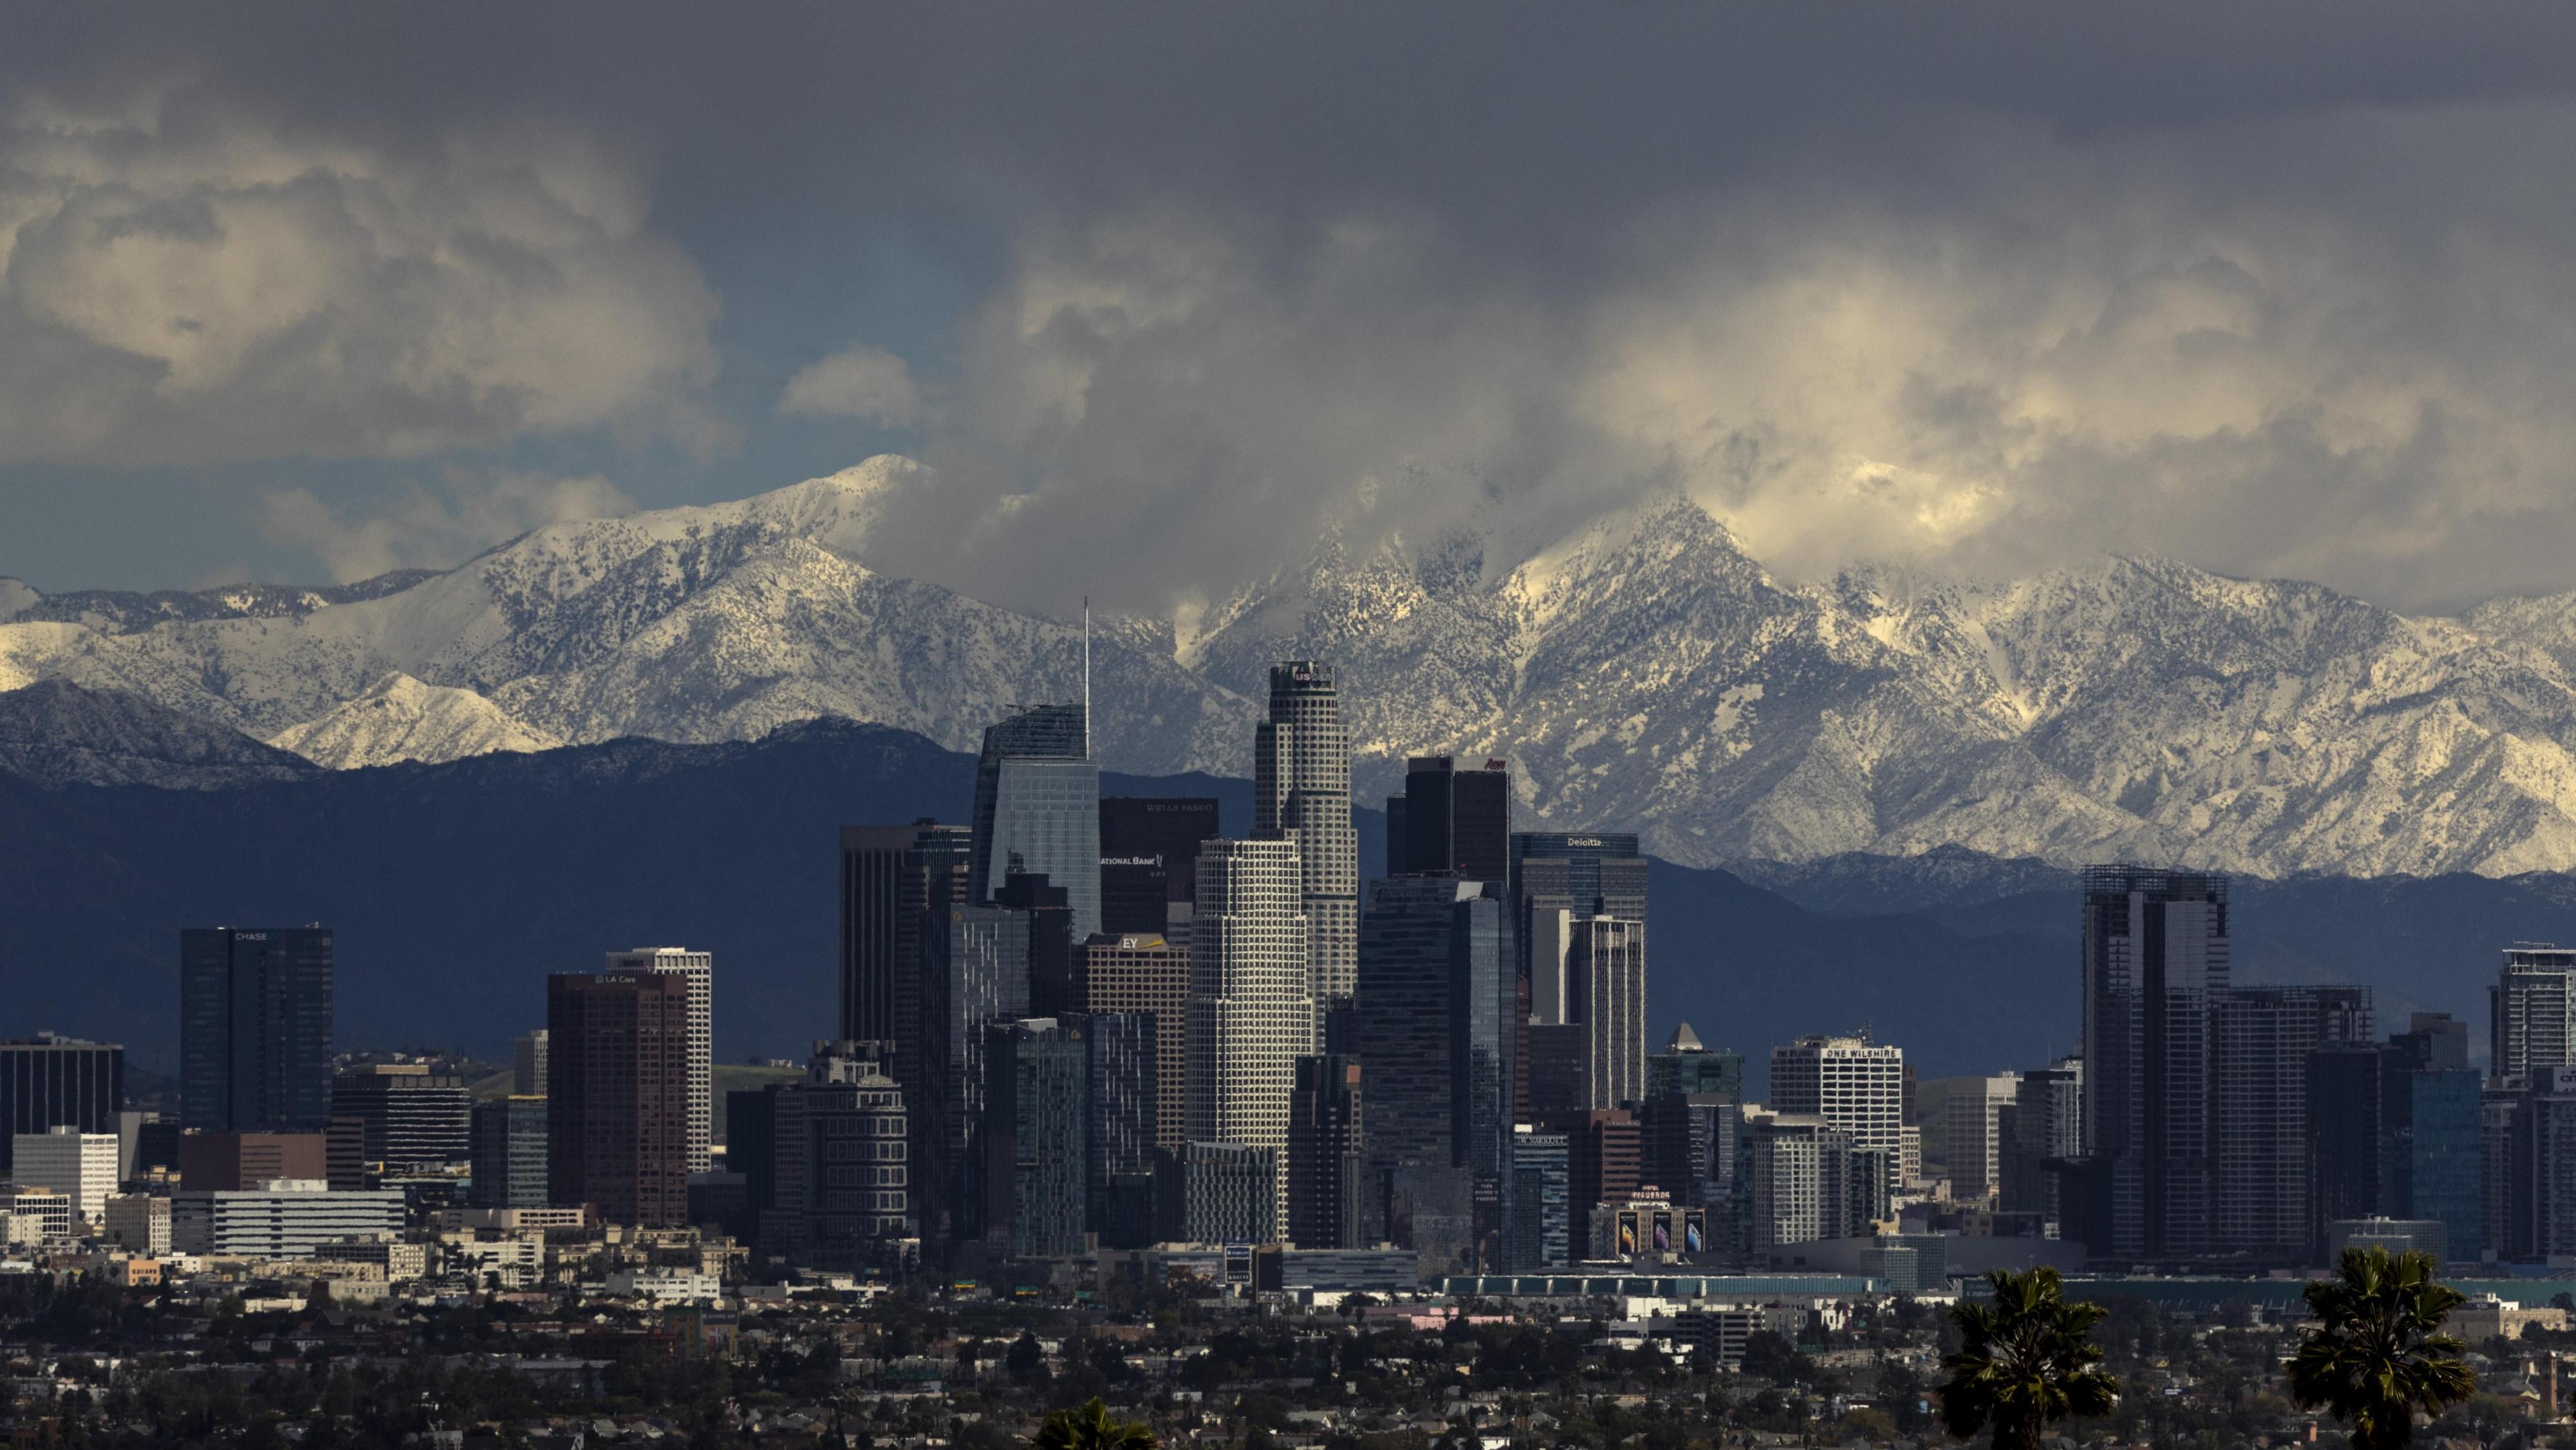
point(2273, 287)
point(1506, 110)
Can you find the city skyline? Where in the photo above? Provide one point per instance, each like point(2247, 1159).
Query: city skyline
point(1325, 727)
point(1025, 1107)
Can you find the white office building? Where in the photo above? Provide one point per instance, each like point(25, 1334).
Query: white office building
point(2534, 1007)
point(1252, 1006)
point(1301, 771)
point(81, 1166)
point(1850, 1082)
point(287, 1218)
point(666, 1286)
point(700, 969)
point(1801, 1180)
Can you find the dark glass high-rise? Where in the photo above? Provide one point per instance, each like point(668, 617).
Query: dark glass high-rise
point(1037, 809)
point(617, 1095)
point(2155, 958)
point(49, 1081)
point(255, 1029)
point(1435, 1036)
point(1455, 819)
point(1149, 847)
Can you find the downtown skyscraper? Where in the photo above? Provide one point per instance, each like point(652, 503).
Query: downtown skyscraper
point(255, 1029)
point(897, 886)
point(974, 977)
point(2264, 1042)
point(1149, 857)
point(1450, 818)
point(1037, 810)
point(890, 877)
point(2534, 1007)
point(1434, 1034)
point(2156, 959)
point(617, 1095)
point(1301, 783)
point(1252, 1008)
point(698, 970)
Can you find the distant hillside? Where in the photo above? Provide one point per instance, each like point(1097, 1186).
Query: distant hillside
point(55, 733)
point(456, 888)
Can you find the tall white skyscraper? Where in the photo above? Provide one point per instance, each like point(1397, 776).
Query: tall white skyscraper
point(1301, 788)
point(1802, 1188)
point(700, 969)
point(2534, 1005)
point(1605, 970)
point(1850, 1082)
point(1251, 1012)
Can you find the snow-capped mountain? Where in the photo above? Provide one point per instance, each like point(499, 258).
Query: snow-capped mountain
point(1645, 673)
point(688, 624)
point(399, 718)
point(54, 734)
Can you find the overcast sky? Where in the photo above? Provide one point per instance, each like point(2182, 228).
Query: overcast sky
point(1164, 293)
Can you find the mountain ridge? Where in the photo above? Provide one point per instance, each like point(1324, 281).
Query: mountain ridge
point(1643, 672)
point(55, 734)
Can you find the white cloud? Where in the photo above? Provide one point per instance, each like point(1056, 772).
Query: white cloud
point(862, 381)
point(2091, 361)
point(425, 527)
point(186, 280)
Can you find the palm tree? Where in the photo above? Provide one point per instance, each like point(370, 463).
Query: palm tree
point(2025, 1361)
point(2375, 1354)
point(1092, 1427)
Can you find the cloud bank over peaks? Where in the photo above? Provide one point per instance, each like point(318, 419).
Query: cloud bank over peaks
point(426, 526)
point(184, 278)
point(2071, 370)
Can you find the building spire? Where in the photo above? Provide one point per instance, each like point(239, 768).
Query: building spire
point(1086, 677)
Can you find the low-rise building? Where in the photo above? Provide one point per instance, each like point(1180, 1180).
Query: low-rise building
point(36, 1217)
point(516, 1259)
point(139, 1222)
point(2397, 1235)
point(514, 1220)
point(127, 1271)
point(399, 1260)
point(2487, 1317)
point(664, 1286)
point(286, 1218)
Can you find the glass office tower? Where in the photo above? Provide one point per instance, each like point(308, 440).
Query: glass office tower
point(509, 1153)
point(1434, 1031)
point(49, 1081)
point(255, 1029)
point(1037, 810)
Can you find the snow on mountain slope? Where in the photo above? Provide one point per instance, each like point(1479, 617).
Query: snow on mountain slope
point(53, 733)
point(1649, 674)
point(1644, 673)
point(399, 719)
point(2273, 723)
point(686, 624)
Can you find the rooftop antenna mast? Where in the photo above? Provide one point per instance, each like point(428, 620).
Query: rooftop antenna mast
point(1086, 677)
